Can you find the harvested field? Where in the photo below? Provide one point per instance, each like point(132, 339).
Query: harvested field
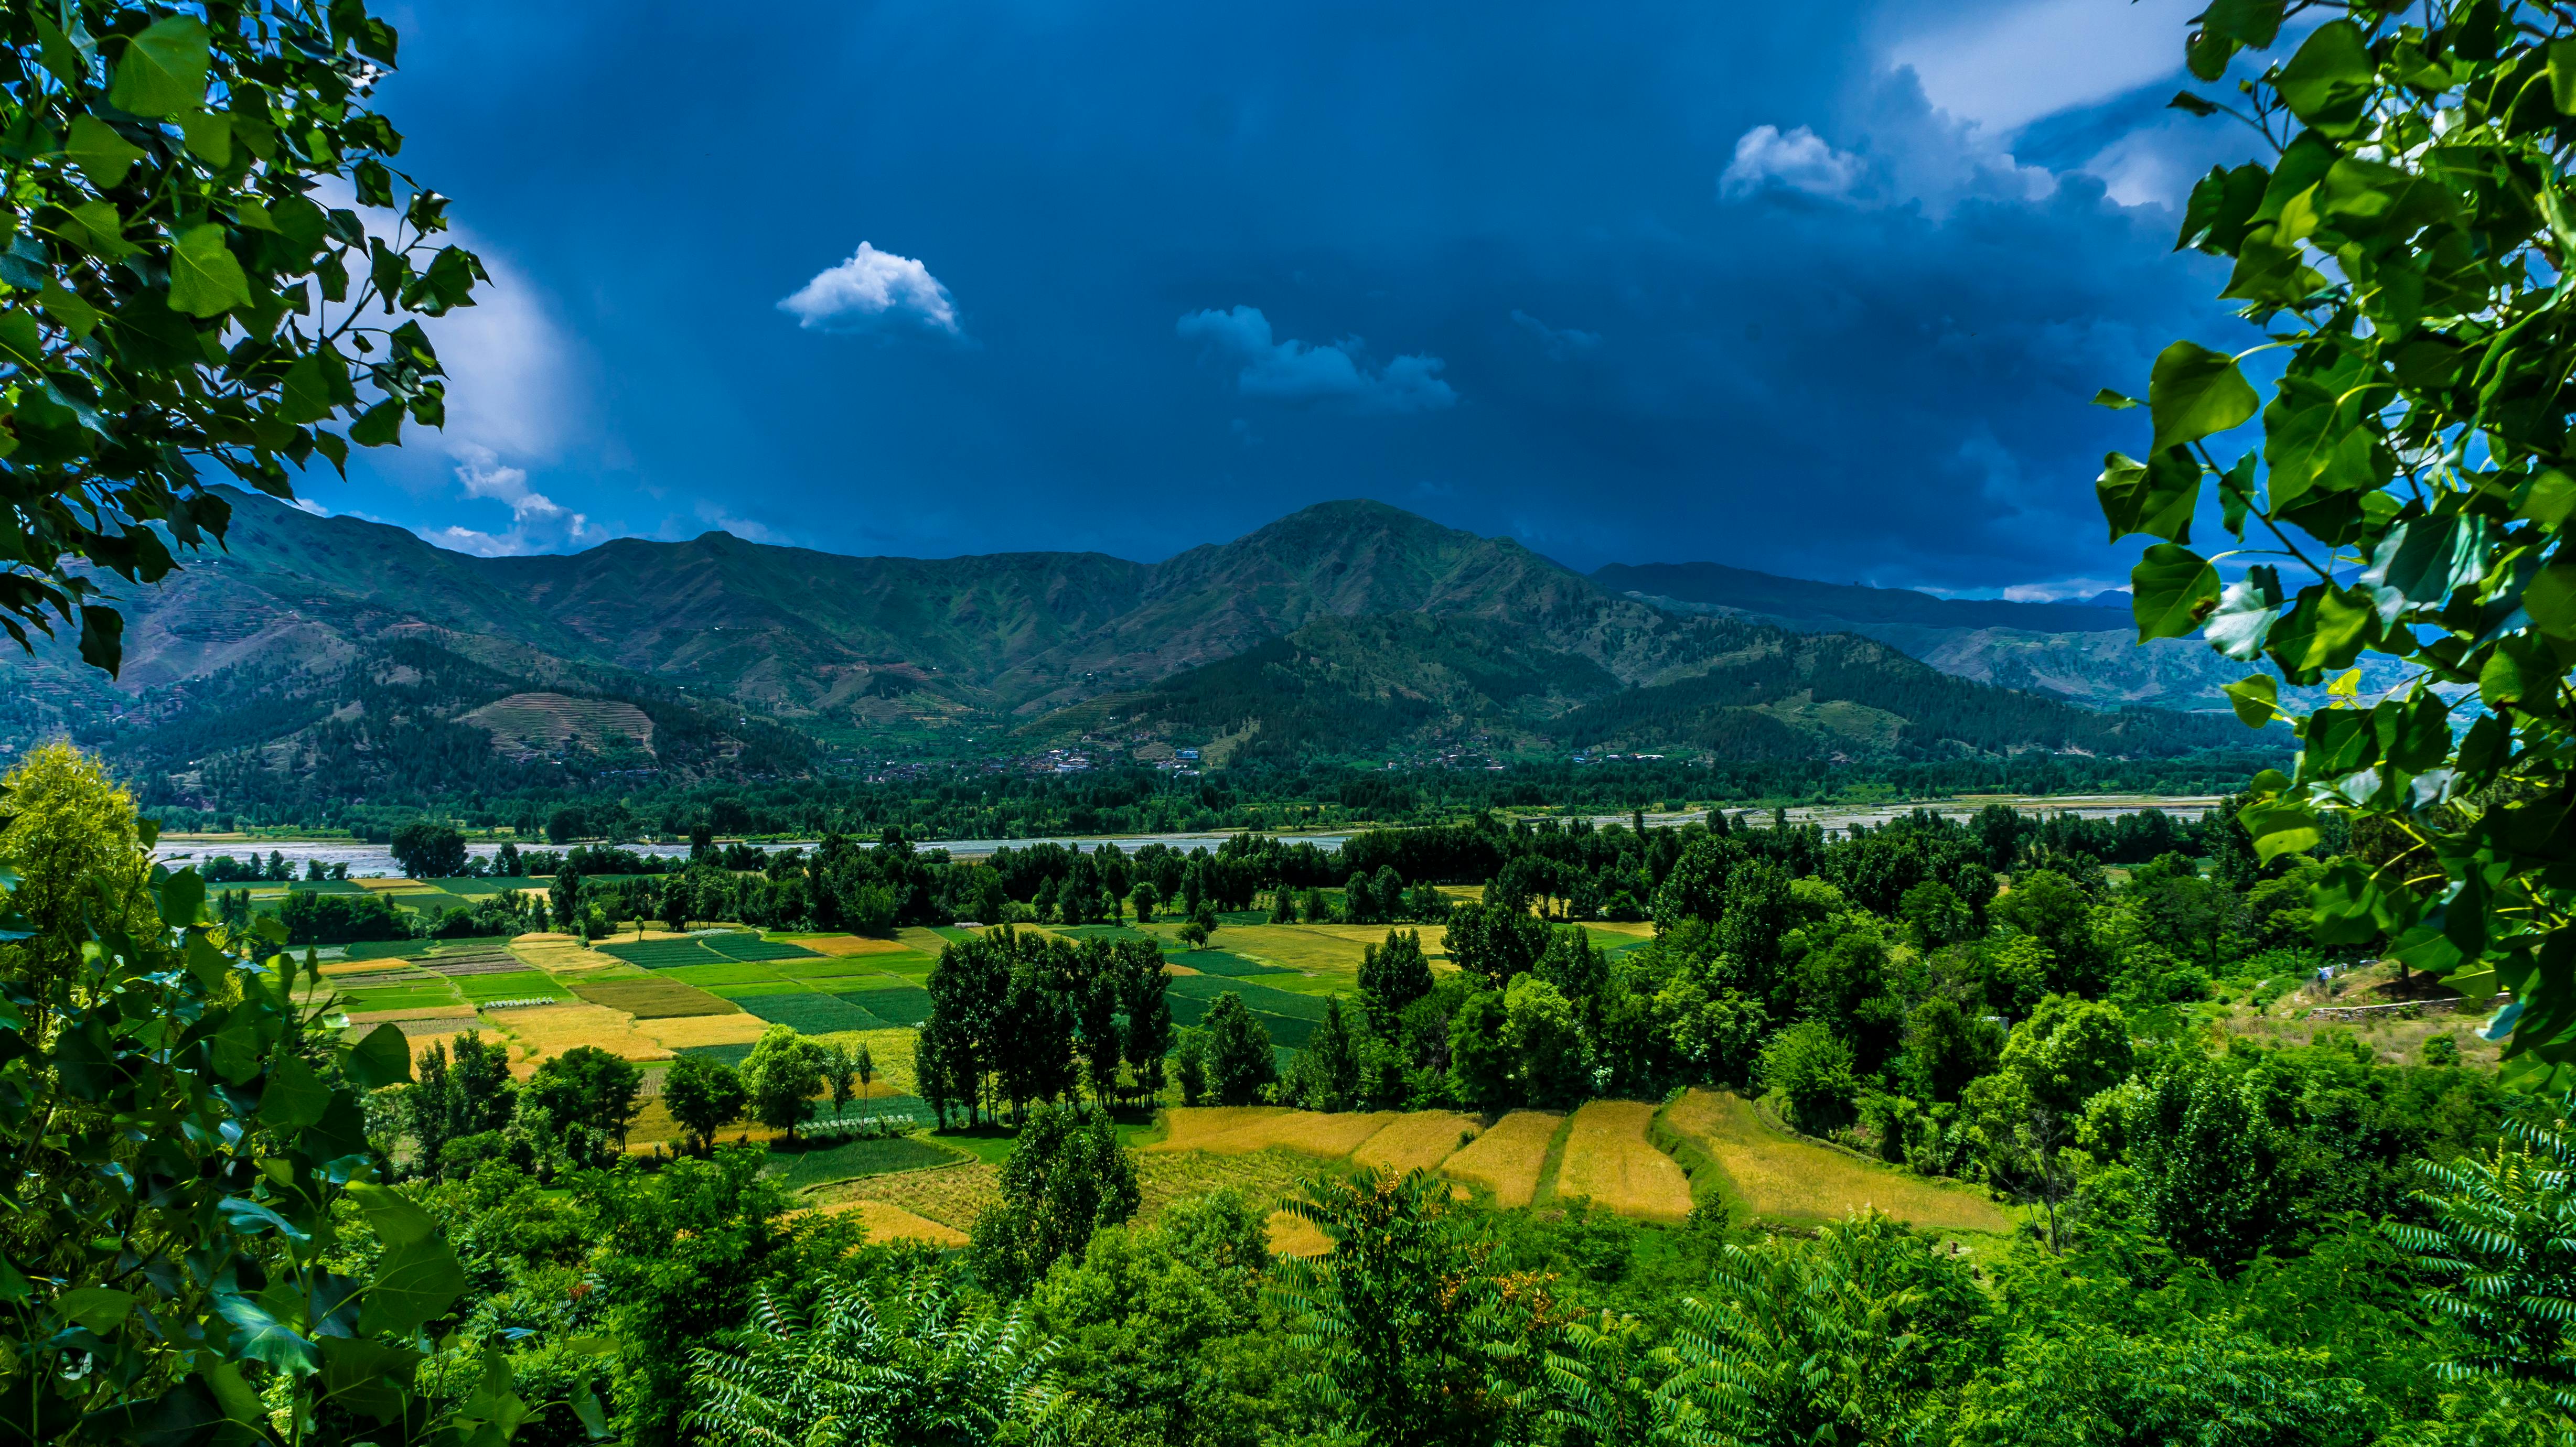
point(1780, 1178)
point(654, 999)
point(420, 1027)
point(560, 953)
point(1507, 1159)
point(839, 946)
point(1609, 1159)
point(541, 1031)
point(357, 972)
point(894, 1223)
point(1419, 1140)
point(1245, 1130)
point(677, 1033)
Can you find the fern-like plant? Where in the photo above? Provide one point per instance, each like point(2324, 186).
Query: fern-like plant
point(920, 1367)
point(2503, 1248)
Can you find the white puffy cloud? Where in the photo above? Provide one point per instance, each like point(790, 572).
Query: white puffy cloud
point(538, 524)
point(1800, 160)
point(1295, 371)
point(872, 289)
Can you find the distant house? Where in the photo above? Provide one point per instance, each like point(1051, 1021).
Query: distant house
point(1192, 755)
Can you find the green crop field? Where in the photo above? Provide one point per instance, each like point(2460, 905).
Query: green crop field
point(1261, 998)
point(1221, 962)
point(1286, 1031)
point(654, 997)
point(727, 1054)
point(848, 984)
point(728, 973)
point(907, 1007)
point(757, 989)
point(850, 1160)
point(663, 954)
point(390, 949)
point(516, 985)
point(809, 1013)
point(753, 947)
point(402, 997)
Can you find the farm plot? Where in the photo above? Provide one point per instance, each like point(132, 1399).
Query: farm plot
point(1419, 1141)
point(1779, 1178)
point(1609, 1159)
point(733, 1052)
point(681, 1034)
point(663, 954)
point(839, 946)
point(390, 949)
point(476, 962)
point(749, 947)
point(381, 999)
point(654, 998)
point(1245, 1130)
point(542, 1031)
point(1290, 1019)
point(729, 972)
point(809, 1012)
point(931, 940)
point(953, 1196)
point(906, 1006)
point(514, 985)
point(857, 1159)
point(894, 1223)
point(1507, 1159)
point(1225, 963)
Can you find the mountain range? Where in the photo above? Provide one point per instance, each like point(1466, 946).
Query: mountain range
point(360, 658)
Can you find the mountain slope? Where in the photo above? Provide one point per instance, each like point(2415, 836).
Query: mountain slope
point(361, 659)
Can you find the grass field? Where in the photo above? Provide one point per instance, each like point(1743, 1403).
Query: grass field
point(1508, 1159)
point(654, 998)
point(1609, 1160)
point(1778, 1178)
point(857, 1159)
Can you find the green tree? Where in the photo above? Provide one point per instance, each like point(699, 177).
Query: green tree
point(1240, 1059)
point(1946, 1048)
point(704, 1096)
point(2500, 1247)
point(1329, 1066)
point(781, 1077)
point(840, 1075)
point(1811, 1067)
point(1409, 1329)
point(2048, 907)
point(429, 849)
point(1483, 1069)
point(1190, 1066)
point(166, 1101)
point(2218, 1177)
point(1146, 1010)
point(1546, 1043)
point(168, 252)
point(1064, 1179)
point(588, 1087)
point(2026, 1113)
point(2427, 522)
point(1145, 897)
point(1392, 976)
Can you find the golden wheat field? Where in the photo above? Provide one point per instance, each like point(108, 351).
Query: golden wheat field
point(1295, 1236)
point(1242, 1130)
point(562, 954)
point(954, 1196)
point(1609, 1159)
point(889, 1051)
point(539, 1031)
point(894, 1223)
point(1778, 1178)
point(1263, 1179)
point(1418, 1141)
point(1507, 1159)
point(680, 1032)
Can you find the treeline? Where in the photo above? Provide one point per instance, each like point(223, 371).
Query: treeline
point(963, 800)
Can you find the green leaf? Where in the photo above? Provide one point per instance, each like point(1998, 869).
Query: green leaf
point(209, 135)
point(99, 151)
point(98, 1308)
point(183, 898)
point(294, 1096)
point(395, 1218)
point(100, 230)
point(2256, 699)
point(102, 638)
point(382, 1059)
point(2156, 497)
point(2172, 588)
point(2194, 392)
point(2550, 599)
point(378, 426)
point(414, 1283)
point(2519, 669)
point(2549, 501)
point(2345, 620)
point(2246, 612)
point(66, 58)
point(2251, 23)
point(2190, 104)
point(261, 1337)
point(163, 70)
point(75, 315)
point(2117, 402)
point(2414, 734)
point(205, 279)
point(2329, 80)
point(20, 342)
point(2562, 75)
point(2279, 827)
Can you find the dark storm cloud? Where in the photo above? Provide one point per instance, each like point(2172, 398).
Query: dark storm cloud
point(1602, 308)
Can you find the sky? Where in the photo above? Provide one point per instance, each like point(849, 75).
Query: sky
point(1818, 290)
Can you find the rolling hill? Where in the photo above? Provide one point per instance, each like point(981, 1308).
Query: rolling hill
point(358, 658)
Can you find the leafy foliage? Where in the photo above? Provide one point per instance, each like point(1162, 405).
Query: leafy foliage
point(2404, 250)
point(164, 254)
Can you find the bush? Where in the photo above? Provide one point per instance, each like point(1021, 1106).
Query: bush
point(1811, 1069)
